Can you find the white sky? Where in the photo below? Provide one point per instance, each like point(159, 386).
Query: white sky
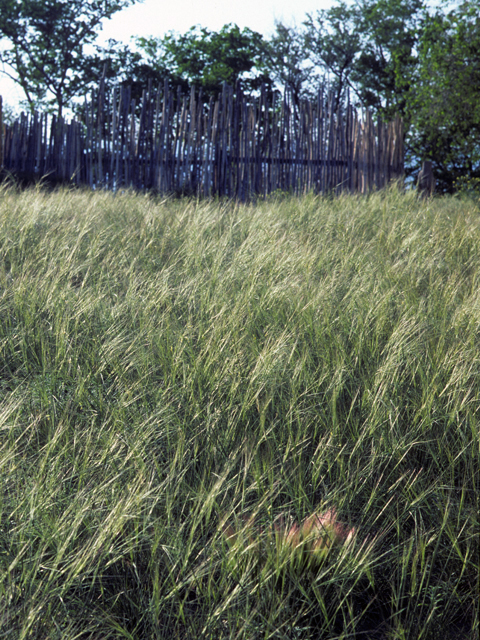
point(157, 17)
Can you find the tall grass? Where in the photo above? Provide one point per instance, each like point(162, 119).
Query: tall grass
point(170, 366)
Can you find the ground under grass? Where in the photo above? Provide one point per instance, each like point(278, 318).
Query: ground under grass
point(179, 377)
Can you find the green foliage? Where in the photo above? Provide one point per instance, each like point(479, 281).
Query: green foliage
point(166, 365)
point(207, 59)
point(368, 47)
point(467, 186)
point(9, 114)
point(200, 58)
point(334, 40)
point(136, 68)
point(444, 100)
point(46, 40)
point(383, 72)
point(288, 62)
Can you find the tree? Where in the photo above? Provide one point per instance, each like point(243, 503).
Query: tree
point(289, 64)
point(46, 38)
point(368, 48)
point(207, 59)
point(386, 65)
point(120, 64)
point(444, 101)
point(334, 39)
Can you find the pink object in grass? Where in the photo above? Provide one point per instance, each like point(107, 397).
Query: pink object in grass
point(317, 533)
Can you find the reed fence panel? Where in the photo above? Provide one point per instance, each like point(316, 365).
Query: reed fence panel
point(236, 146)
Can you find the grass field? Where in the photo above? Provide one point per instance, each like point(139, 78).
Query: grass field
point(181, 382)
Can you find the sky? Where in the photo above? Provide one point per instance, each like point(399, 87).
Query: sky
point(157, 17)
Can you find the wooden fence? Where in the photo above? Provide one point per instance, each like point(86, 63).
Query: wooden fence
point(235, 146)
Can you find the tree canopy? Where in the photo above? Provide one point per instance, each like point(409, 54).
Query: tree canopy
point(443, 100)
point(46, 40)
point(207, 59)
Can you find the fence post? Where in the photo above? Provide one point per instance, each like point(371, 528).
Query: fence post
point(426, 180)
